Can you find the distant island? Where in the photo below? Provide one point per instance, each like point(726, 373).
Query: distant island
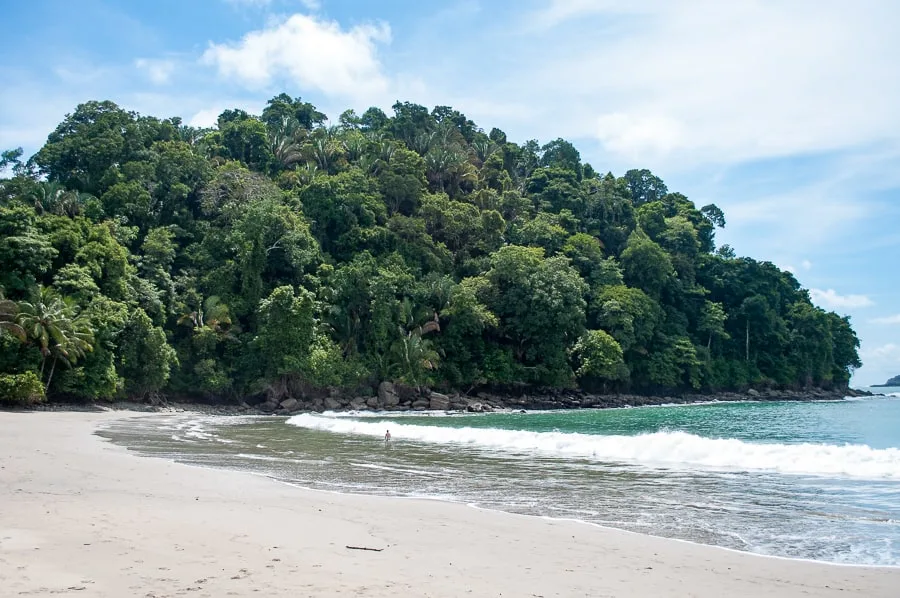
point(895, 381)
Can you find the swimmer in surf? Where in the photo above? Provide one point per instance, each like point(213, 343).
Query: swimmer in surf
point(387, 437)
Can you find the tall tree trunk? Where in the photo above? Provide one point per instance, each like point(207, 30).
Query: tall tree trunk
point(50, 377)
point(747, 341)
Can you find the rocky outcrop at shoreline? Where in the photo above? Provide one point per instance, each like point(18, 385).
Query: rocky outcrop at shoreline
point(399, 398)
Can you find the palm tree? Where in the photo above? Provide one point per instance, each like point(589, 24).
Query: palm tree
point(325, 150)
point(213, 314)
point(484, 148)
point(285, 142)
point(52, 198)
point(47, 196)
point(307, 172)
point(354, 145)
point(8, 312)
point(55, 325)
point(411, 356)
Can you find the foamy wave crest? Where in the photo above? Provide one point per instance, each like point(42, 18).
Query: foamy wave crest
point(659, 449)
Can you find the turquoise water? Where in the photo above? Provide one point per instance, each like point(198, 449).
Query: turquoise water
point(804, 480)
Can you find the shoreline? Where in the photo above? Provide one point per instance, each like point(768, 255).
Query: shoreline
point(85, 517)
point(483, 403)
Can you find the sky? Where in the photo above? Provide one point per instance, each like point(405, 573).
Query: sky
point(784, 113)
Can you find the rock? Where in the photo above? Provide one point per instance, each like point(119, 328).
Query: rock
point(475, 408)
point(332, 404)
point(372, 402)
point(406, 393)
point(753, 392)
point(439, 402)
point(290, 404)
point(358, 403)
point(387, 394)
point(421, 404)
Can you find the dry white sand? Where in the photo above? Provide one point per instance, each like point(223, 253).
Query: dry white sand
point(80, 517)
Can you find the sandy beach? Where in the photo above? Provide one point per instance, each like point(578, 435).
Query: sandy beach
point(81, 517)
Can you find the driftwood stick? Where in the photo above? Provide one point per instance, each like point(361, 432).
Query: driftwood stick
point(365, 548)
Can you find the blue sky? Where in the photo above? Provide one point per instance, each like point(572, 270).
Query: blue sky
point(785, 114)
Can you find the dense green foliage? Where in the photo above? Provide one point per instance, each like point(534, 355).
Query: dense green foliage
point(276, 254)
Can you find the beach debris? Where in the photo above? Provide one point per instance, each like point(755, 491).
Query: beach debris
point(365, 548)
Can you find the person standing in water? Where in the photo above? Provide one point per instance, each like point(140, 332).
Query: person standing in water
point(387, 437)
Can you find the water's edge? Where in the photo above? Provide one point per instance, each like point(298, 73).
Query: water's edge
point(472, 505)
point(427, 400)
point(345, 453)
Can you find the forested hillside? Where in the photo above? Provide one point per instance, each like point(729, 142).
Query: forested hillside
point(281, 253)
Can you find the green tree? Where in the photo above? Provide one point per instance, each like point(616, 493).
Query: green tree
point(646, 265)
point(598, 355)
point(712, 323)
point(540, 305)
point(9, 310)
point(287, 329)
point(56, 327)
point(146, 359)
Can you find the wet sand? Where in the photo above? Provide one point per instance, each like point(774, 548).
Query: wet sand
point(81, 517)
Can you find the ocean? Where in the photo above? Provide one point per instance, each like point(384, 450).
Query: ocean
point(818, 481)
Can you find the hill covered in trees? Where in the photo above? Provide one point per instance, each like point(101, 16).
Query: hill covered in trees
point(895, 381)
point(277, 254)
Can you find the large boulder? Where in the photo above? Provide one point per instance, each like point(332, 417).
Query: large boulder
point(387, 394)
point(372, 402)
point(332, 404)
point(439, 402)
point(290, 404)
point(358, 403)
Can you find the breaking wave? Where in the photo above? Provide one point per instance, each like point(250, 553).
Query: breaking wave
point(665, 449)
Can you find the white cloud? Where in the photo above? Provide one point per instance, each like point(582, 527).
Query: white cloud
point(880, 362)
point(158, 70)
point(631, 134)
point(309, 52)
point(689, 81)
point(895, 319)
point(881, 356)
point(806, 265)
point(799, 219)
point(208, 116)
point(831, 299)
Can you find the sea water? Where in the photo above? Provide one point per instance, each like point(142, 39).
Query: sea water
point(805, 480)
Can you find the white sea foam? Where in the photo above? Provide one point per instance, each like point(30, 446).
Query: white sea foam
point(667, 449)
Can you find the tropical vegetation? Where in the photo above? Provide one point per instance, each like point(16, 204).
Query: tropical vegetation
point(284, 253)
